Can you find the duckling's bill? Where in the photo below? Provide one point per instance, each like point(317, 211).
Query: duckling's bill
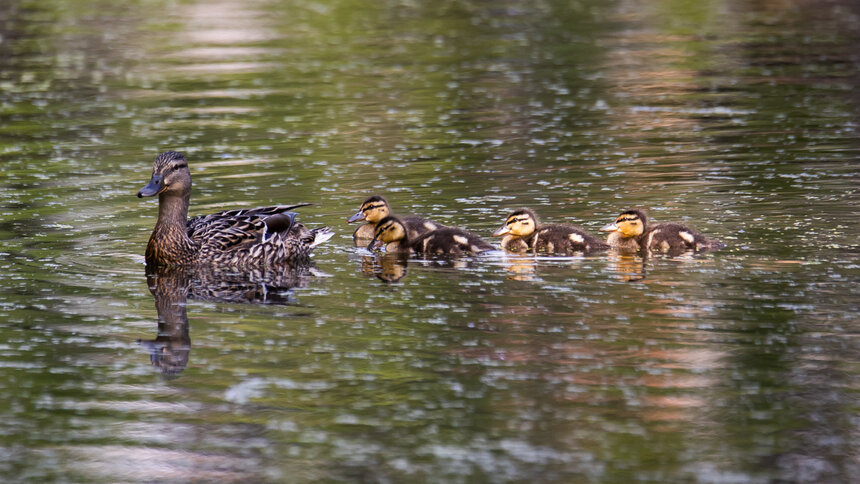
point(357, 217)
point(503, 230)
point(375, 244)
point(610, 227)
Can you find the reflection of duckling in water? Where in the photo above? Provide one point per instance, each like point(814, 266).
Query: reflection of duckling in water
point(522, 231)
point(520, 267)
point(391, 232)
point(389, 267)
point(627, 266)
point(631, 231)
point(376, 208)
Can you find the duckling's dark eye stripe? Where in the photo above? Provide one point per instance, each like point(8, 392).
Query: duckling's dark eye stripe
point(370, 207)
point(181, 165)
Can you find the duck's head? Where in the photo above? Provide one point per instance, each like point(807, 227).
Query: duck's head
point(373, 210)
point(629, 224)
point(520, 223)
point(388, 231)
point(170, 175)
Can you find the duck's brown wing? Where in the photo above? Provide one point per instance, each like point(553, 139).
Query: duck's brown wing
point(245, 236)
point(204, 222)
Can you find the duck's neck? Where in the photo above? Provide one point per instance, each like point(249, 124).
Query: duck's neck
point(173, 210)
point(169, 243)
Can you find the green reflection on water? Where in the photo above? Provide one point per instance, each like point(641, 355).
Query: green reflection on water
point(738, 119)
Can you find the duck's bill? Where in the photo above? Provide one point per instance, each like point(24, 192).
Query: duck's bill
point(375, 244)
point(503, 230)
point(155, 185)
point(355, 218)
point(609, 227)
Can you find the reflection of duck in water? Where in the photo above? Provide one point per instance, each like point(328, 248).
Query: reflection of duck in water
point(170, 349)
point(173, 286)
point(631, 231)
point(522, 231)
point(392, 233)
point(376, 208)
point(249, 238)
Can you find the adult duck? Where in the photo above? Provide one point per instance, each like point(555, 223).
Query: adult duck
point(246, 237)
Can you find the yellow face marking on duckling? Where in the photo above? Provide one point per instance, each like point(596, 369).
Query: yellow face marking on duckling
point(390, 232)
point(520, 225)
point(374, 211)
point(628, 225)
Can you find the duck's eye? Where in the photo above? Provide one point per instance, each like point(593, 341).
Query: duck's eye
point(181, 165)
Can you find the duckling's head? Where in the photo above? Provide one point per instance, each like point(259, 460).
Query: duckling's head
point(373, 210)
point(389, 230)
point(629, 224)
point(170, 176)
point(520, 223)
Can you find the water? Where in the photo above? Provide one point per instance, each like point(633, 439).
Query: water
point(737, 118)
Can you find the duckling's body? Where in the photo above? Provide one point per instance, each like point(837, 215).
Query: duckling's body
point(376, 208)
point(248, 237)
point(392, 232)
point(512, 243)
point(522, 231)
point(631, 231)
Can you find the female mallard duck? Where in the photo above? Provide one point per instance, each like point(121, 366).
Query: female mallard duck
point(631, 231)
point(522, 231)
point(376, 208)
point(251, 237)
point(392, 232)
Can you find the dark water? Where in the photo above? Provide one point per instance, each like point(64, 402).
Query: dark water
point(737, 118)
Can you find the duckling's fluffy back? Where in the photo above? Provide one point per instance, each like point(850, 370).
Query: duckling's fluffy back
point(674, 237)
point(560, 238)
point(450, 240)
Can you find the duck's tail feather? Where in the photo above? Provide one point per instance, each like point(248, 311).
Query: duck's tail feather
point(321, 235)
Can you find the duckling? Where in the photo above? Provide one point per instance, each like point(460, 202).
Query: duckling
point(392, 232)
point(631, 231)
point(522, 231)
point(376, 208)
point(246, 237)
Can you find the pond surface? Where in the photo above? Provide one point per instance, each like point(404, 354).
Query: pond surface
point(738, 118)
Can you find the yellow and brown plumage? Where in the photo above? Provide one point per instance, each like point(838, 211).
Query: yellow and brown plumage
point(247, 237)
point(522, 232)
point(631, 231)
point(393, 233)
point(376, 208)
